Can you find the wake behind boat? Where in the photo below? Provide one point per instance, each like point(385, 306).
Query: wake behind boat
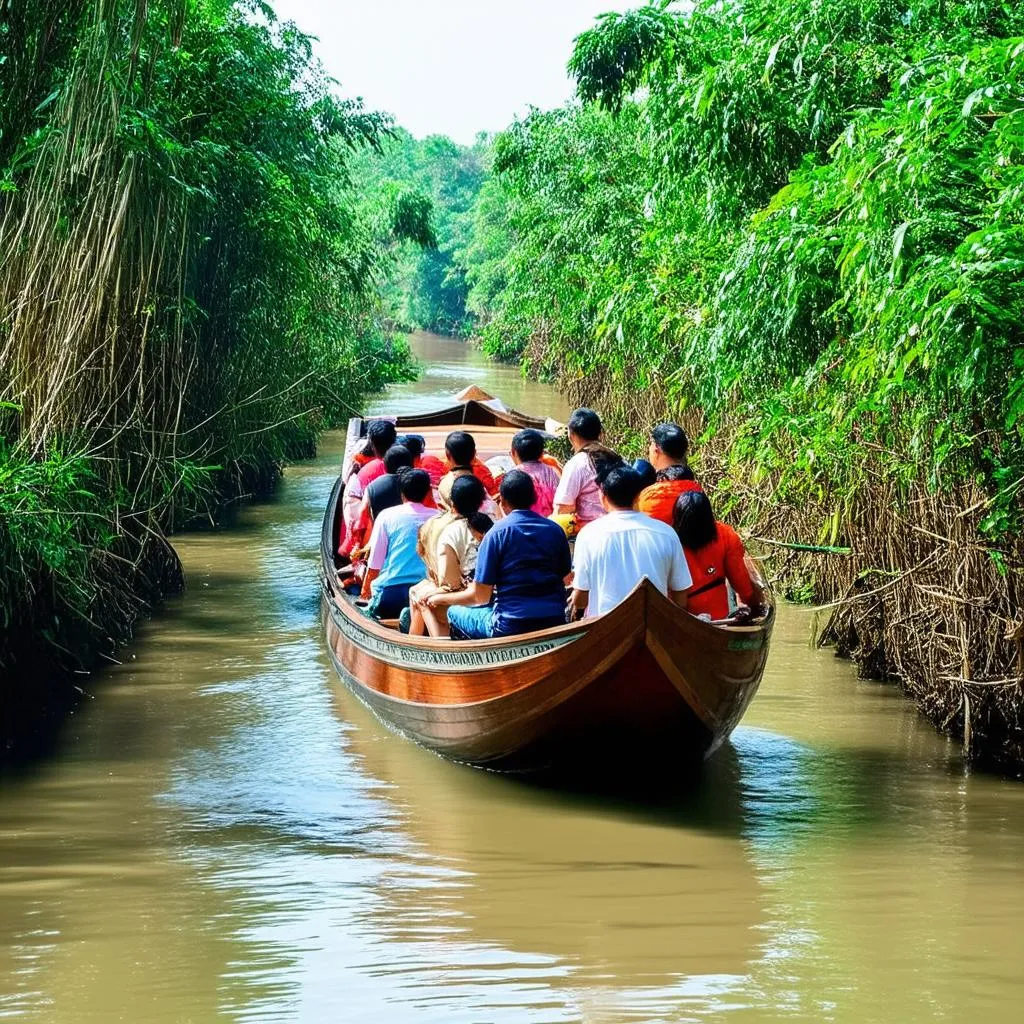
point(645, 682)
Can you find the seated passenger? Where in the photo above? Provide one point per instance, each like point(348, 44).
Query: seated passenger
point(460, 448)
point(527, 452)
point(449, 551)
point(522, 564)
point(623, 547)
point(422, 459)
point(380, 435)
point(394, 565)
point(480, 525)
point(384, 492)
point(668, 449)
point(578, 491)
point(715, 554)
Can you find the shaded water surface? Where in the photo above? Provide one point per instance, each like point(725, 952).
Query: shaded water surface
point(224, 834)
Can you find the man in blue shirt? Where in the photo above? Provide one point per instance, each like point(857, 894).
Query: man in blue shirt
point(522, 565)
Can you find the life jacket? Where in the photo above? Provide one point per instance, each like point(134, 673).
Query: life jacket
point(659, 500)
point(434, 467)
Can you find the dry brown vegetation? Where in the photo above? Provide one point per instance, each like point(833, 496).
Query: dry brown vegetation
point(921, 600)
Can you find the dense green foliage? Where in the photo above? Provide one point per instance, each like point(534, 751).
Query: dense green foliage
point(188, 284)
point(428, 287)
point(798, 228)
point(806, 221)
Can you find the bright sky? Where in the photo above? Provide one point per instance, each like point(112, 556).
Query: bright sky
point(451, 67)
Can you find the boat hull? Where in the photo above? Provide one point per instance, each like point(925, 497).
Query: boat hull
point(645, 683)
point(596, 694)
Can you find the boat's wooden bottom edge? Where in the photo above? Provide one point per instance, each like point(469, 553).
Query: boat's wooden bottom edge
point(622, 722)
point(680, 748)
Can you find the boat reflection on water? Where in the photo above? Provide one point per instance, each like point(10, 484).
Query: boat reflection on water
point(623, 891)
point(632, 901)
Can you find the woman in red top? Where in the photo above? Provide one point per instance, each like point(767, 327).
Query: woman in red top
point(715, 555)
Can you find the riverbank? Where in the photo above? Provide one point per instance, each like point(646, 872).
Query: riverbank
point(924, 598)
point(812, 258)
point(75, 604)
point(189, 296)
point(261, 846)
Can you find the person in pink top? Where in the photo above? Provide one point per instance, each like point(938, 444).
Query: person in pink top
point(381, 436)
point(579, 492)
point(527, 451)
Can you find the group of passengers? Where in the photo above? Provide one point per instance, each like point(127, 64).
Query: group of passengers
point(456, 547)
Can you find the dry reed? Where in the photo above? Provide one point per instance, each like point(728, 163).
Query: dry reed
point(924, 599)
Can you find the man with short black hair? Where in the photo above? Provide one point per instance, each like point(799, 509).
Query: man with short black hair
point(623, 547)
point(579, 492)
point(460, 448)
point(380, 435)
point(667, 453)
point(522, 564)
point(394, 564)
point(669, 446)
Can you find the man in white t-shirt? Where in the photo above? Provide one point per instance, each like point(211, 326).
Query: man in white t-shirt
point(618, 550)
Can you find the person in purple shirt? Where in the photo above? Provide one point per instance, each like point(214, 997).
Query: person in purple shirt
point(519, 585)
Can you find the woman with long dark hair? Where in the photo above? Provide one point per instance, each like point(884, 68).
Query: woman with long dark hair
point(716, 556)
point(448, 547)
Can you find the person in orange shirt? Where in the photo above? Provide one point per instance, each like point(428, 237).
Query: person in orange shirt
point(715, 556)
point(422, 459)
point(667, 453)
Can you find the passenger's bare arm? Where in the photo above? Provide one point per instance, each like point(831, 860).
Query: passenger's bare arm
point(475, 594)
point(371, 575)
point(679, 597)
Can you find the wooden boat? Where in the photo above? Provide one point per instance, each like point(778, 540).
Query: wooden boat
point(645, 682)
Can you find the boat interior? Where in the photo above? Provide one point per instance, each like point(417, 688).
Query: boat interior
point(493, 426)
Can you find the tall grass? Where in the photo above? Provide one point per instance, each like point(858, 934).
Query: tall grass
point(187, 292)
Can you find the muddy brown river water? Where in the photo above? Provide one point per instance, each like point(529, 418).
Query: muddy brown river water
point(223, 834)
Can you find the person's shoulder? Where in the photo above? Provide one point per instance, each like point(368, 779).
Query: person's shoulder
point(455, 528)
point(660, 528)
point(727, 535)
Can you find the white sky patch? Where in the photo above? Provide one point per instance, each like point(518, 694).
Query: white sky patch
point(450, 67)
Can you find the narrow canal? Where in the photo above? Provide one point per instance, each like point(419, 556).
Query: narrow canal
point(223, 833)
